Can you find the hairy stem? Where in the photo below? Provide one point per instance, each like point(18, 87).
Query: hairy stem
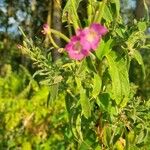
point(59, 34)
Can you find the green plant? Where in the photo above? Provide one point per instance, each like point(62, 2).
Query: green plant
point(96, 86)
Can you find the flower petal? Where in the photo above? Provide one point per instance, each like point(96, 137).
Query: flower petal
point(101, 30)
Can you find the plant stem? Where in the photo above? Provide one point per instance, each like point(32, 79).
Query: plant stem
point(69, 25)
point(98, 17)
point(60, 35)
point(90, 12)
point(52, 41)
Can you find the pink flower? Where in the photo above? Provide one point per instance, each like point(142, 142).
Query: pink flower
point(91, 36)
point(46, 29)
point(76, 49)
point(85, 41)
point(101, 30)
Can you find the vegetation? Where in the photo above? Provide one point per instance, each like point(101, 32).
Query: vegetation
point(74, 89)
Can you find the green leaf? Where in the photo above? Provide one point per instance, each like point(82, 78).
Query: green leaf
point(141, 137)
point(100, 49)
point(73, 126)
point(104, 100)
point(104, 48)
point(124, 102)
point(119, 77)
point(26, 146)
point(73, 115)
point(107, 14)
point(98, 148)
point(131, 136)
point(117, 3)
point(142, 26)
point(53, 93)
point(90, 64)
point(136, 55)
point(78, 127)
point(84, 146)
point(97, 83)
point(84, 101)
point(85, 104)
point(81, 68)
point(118, 145)
point(69, 10)
point(120, 32)
point(78, 81)
point(106, 135)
